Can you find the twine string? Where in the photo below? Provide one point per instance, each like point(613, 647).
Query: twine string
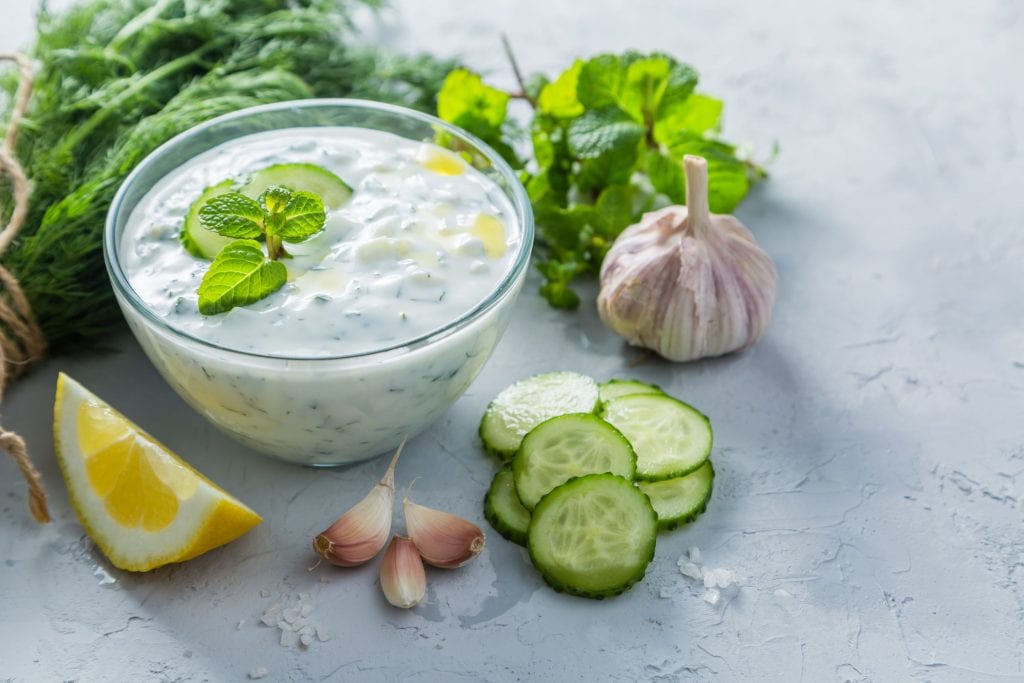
point(22, 343)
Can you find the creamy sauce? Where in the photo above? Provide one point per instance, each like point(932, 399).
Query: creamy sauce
point(423, 240)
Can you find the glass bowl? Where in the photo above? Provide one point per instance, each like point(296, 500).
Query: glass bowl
point(326, 410)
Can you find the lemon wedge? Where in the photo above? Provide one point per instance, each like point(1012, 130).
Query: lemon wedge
point(142, 505)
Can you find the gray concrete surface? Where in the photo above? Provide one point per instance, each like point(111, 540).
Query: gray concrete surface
point(870, 450)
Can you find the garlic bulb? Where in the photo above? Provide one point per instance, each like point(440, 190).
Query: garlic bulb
point(685, 282)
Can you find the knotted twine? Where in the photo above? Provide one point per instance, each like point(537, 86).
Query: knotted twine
point(22, 343)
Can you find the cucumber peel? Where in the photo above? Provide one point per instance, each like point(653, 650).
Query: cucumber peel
point(616, 388)
point(503, 509)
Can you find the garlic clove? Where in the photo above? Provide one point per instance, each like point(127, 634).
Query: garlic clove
point(443, 539)
point(360, 534)
point(402, 576)
point(685, 282)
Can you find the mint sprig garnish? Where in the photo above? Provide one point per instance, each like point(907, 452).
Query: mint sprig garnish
point(242, 273)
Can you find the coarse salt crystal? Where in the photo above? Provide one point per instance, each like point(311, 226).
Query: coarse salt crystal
point(690, 570)
point(289, 638)
point(722, 578)
point(258, 673)
point(695, 555)
point(711, 596)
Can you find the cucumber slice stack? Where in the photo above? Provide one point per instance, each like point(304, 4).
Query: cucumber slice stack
point(593, 472)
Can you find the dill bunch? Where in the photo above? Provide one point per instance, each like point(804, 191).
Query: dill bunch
point(119, 77)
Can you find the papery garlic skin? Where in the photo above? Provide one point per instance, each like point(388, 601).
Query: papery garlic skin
point(402, 576)
point(360, 534)
point(443, 539)
point(687, 283)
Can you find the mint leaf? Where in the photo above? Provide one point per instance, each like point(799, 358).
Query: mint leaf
point(233, 215)
point(303, 217)
point(600, 81)
point(666, 175)
point(614, 208)
point(646, 80)
point(679, 85)
point(603, 130)
point(700, 115)
point(607, 142)
point(240, 275)
point(275, 198)
point(467, 101)
point(728, 176)
point(558, 99)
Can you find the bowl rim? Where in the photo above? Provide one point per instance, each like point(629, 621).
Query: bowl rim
point(515, 191)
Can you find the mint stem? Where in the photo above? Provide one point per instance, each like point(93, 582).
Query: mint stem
point(522, 94)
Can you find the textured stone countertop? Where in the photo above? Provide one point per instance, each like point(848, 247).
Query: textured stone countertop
point(870, 449)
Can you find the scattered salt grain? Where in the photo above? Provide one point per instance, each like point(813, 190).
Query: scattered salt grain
point(258, 673)
point(695, 555)
point(712, 595)
point(271, 615)
point(689, 569)
point(722, 578)
point(240, 624)
point(298, 628)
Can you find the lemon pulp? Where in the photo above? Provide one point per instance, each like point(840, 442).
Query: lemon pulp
point(142, 505)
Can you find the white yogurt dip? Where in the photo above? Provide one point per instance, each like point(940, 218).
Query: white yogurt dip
point(423, 239)
point(358, 350)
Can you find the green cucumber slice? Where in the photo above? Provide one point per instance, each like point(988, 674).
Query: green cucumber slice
point(332, 190)
point(503, 509)
point(569, 446)
point(522, 406)
point(615, 388)
point(593, 536)
point(196, 239)
point(671, 438)
point(681, 499)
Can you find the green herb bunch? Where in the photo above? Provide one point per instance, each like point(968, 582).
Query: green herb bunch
point(607, 138)
point(117, 78)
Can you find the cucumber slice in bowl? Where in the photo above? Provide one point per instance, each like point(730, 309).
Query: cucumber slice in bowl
point(569, 446)
point(332, 190)
point(196, 239)
point(206, 244)
point(616, 388)
point(522, 406)
point(681, 499)
point(503, 509)
point(593, 536)
point(671, 438)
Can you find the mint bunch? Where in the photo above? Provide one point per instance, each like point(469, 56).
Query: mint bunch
point(608, 137)
point(242, 273)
